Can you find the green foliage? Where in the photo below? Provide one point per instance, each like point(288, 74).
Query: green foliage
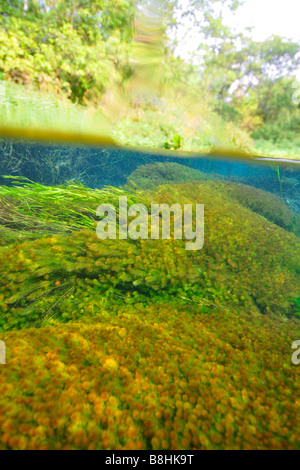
point(31, 210)
point(25, 109)
point(284, 149)
point(297, 307)
point(175, 143)
point(279, 114)
point(253, 84)
point(93, 54)
point(279, 132)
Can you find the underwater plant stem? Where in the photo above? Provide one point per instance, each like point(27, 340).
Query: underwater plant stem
point(277, 171)
point(279, 180)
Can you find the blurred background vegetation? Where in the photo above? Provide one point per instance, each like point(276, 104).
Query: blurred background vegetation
point(117, 59)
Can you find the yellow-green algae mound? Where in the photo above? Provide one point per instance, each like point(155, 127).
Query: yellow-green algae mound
point(155, 377)
point(266, 204)
point(273, 208)
point(154, 174)
point(123, 344)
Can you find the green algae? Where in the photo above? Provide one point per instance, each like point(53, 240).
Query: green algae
point(67, 272)
point(155, 174)
point(30, 210)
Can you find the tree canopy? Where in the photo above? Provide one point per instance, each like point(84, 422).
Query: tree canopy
point(88, 50)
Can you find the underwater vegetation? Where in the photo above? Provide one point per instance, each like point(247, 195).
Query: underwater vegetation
point(149, 176)
point(140, 344)
point(29, 210)
point(155, 174)
point(50, 164)
point(268, 205)
point(264, 203)
point(155, 377)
